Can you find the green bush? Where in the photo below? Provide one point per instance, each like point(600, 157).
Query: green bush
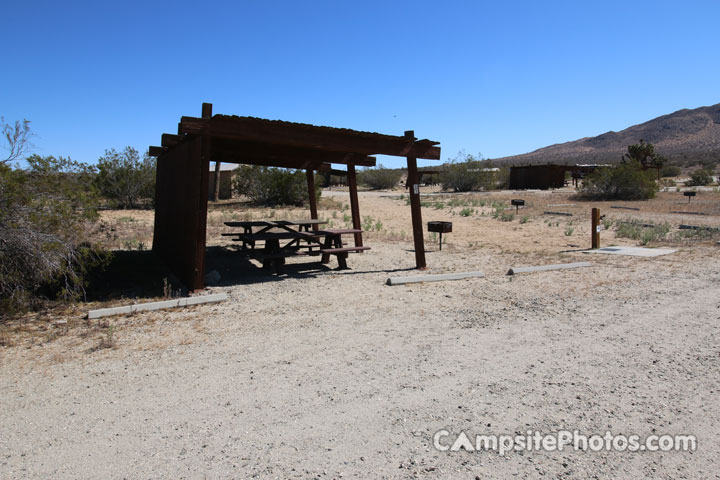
point(670, 171)
point(627, 181)
point(44, 213)
point(272, 186)
point(379, 178)
point(125, 179)
point(468, 174)
point(699, 178)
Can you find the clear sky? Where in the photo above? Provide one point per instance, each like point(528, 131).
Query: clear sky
point(489, 77)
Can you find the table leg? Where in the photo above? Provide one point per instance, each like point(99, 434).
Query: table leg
point(341, 257)
point(272, 246)
point(327, 244)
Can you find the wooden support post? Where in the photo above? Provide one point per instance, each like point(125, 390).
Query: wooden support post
point(311, 196)
point(207, 110)
point(414, 189)
point(202, 207)
point(595, 228)
point(216, 194)
point(354, 206)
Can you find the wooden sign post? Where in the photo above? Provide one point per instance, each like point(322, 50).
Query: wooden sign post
point(595, 231)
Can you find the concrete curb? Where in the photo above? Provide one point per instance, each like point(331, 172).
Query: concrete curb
point(433, 278)
point(542, 268)
point(143, 307)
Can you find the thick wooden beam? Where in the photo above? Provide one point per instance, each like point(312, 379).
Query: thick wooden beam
point(238, 149)
point(301, 135)
point(169, 140)
point(298, 165)
point(354, 204)
point(156, 151)
point(311, 196)
point(415, 210)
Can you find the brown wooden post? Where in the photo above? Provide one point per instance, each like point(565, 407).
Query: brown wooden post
point(200, 240)
point(595, 230)
point(414, 189)
point(354, 206)
point(216, 195)
point(207, 113)
point(311, 196)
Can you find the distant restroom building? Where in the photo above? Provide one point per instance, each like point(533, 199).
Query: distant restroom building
point(227, 170)
point(541, 177)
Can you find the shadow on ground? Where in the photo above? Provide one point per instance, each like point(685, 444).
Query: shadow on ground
point(129, 274)
point(237, 269)
point(141, 274)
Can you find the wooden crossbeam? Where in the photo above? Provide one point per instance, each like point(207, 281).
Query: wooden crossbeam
point(156, 151)
point(236, 149)
point(298, 165)
point(169, 140)
point(308, 136)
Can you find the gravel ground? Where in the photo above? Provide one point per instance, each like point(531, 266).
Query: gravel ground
point(328, 374)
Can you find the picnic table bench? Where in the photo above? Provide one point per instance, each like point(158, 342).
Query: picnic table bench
point(302, 241)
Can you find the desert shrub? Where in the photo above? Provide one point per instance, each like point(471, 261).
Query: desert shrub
point(468, 174)
point(124, 179)
point(379, 178)
point(502, 178)
point(44, 212)
point(457, 177)
point(699, 178)
point(272, 186)
point(637, 230)
point(627, 181)
point(670, 171)
point(644, 154)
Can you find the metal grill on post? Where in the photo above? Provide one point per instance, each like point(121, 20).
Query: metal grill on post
point(440, 228)
point(517, 203)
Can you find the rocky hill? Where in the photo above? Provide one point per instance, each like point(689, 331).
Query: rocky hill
point(686, 137)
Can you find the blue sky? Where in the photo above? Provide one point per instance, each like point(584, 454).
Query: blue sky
point(496, 78)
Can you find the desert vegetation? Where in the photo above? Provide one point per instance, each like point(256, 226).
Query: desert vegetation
point(467, 173)
point(379, 178)
point(627, 181)
point(125, 180)
point(45, 213)
point(700, 177)
point(272, 186)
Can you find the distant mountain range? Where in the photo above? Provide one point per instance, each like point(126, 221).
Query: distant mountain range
point(686, 137)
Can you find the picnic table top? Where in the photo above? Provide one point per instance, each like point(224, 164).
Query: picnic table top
point(268, 223)
point(276, 236)
point(337, 231)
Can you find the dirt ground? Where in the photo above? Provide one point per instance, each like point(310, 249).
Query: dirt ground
point(321, 373)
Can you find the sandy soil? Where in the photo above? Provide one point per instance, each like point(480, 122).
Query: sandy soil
point(327, 374)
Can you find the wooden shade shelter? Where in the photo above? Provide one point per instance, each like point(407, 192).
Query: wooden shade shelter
point(183, 161)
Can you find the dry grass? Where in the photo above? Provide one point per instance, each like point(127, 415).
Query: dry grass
point(477, 228)
point(387, 219)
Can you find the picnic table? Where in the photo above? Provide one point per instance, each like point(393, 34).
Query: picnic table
point(281, 240)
